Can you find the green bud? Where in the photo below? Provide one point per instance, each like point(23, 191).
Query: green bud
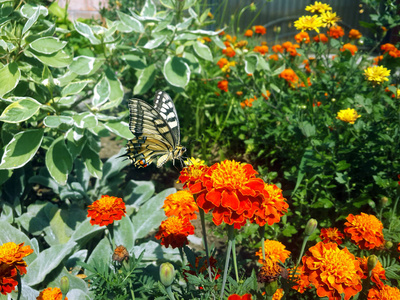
point(310, 227)
point(271, 287)
point(372, 261)
point(384, 201)
point(167, 274)
point(64, 285)
point(253, 7)
point(388, 245)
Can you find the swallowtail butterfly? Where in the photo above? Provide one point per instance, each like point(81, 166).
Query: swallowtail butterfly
point(156, 131)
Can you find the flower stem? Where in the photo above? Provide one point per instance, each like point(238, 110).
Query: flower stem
point(262, 233)
point(235, 260)
point(169, 292)
point(302, 250)
point(231, 237)
point(110, 228)
point(203, 229)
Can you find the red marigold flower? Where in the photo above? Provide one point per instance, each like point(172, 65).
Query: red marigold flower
point(388, 47)
point(302, 37)
point(335, 32)
point(50, 294)
point(384, 293)
point(181, 204)
point(329, 235)
point(278, 48)
point(377, 273)
point(174, 232)
point(106, 210)
point(13, 254)
point(191, 177)
point(354, 34)
point(222, 62)
point(237, 297)
point(321, 38)
point(8, 278)
point(261, 49)
point(365, 230)
point(223, 85)
point(274, 250)
point(231, 190)
point(202, 266)
point(228, 51)
point(333, 271)
point(352, 48)
point(248, 33)
point(272, 207)
point(260, 29)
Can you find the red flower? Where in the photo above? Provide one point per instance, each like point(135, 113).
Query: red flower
point(352, 48)
point(321, 38)
point(237, 297)
point(228, 51)
point(354, 34)
point(8, 278)
point(106, 210)
point(386, 293)
point(377, 273)
point(329, 235)
point(302, 37)
point(174, 232)
point(260, 29)
point(335, 32)
point(191, 177)
point(278, 48)
point(223, 85)
point(222, 62)
point(12, 254)
point(261, 49)
point(248, 33)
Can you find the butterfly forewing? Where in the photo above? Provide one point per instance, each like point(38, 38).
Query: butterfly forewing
point(165, 106)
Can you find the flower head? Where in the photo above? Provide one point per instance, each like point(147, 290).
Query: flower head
point(237, 297)
point(350, 47)
point(261, 49)
point(191, 176)
point(333, 271)
point(229, 51)
point(377, 273)
point(384, 293)
point(12, 254)
point(377, 74)
point(308, 23)
point(290, 76)
point(222, 62)
point(302, 37)
point(181, 204)
point(318, 7)
point(329, 19)
point(365, 230)
point(321, 38)
point(274, 250)
point(348, 115)
point(174, 232)
point(50, 294)
point(278, 294)
point(272, 207)
point(354, 34)
point(106, 210)
point(8, 278)
point(260, 29)
point(270, 271)
point(248, 33)
point(223, 85)
point(335, 32)
point(231, 190)
point(329, 235)
point(201, 266)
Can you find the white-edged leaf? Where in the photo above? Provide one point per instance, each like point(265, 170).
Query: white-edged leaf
point(58, 59)
point(20, 110)
point(87, 32)
point(203, 51)
point(250, 63)
point(132, 23)
point(92, 162)
point(82, 65)
point(101, 92)
point(194, 63)
point(145, 80)
point(47, 45)
point(176, 71)
point(120, 128)
point(56, 121)
point(9, 78)
point(149, 9)
point(74, 88)
point(154, 43)
point(59, 161)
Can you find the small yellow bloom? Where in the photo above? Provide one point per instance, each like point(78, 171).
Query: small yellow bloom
point(377, 74)
point(210, 15)
point(227, 67)
point(329, 19)
point(348, 115)
point(194, 162)
point(318, 7)
point(308, 23)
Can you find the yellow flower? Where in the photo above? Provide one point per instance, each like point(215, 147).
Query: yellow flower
point(227, 67)
point(348, 115)
point(194, 162)
point(210, 15)
point(377, 74)
point(308, 23)
point(329, 19)
point(318, 7)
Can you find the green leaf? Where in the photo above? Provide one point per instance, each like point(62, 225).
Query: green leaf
point(116, 90)
point(101, 92)
point(59, 161)
point(74, 88)
point(120, 128)
point(176, 71)
point(145, 80)
point(125, 233)
point(250, 63)
point(21, 149)
point(9, 78)
point(32, 13)
point(20, 110)
point(154, 43)
point(92, 161)
point(218, 42)
point(130, 22)
point(194, 63)
point(82, 65)
point(136, 62)
point(47, 45)
point(149, 9)
point(278, 71)
point(56, 121)
point(59, 59)
point(202, 50)
point(87, 32)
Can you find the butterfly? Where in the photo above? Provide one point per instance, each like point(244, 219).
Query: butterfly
point(156, 130)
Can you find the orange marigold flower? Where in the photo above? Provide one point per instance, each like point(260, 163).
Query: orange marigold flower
point(191, 177)
point(321, 38)
point(221, 33)
point(377, 59)
point(270, 271)
point(384, 293)
point(241, 44)
point(329, 235)
point(335, 32)
point(290, 76)
point(365, 230)
point(222, 62)
point(354, 34)
point(201, 266)
point(274, 250)
point(50, 294)
point(230, 38)
point(302, 37)
point(272, 207)
point(228, 51)
point(377, 273)
point(248, 33)
point(181, 204)
point(223, 85)
point(174, 232)
point(266, 95)
point(237, 297)
point(239, 93)
point(8, 278)
point(388, 47)
point(12, 254)
point(260, 29)
point(261, 49)
point(231, 190)
point(274, 57)
point(352, 48)
point(278, 48)
point(333, 271)
point(278, 294)
point(106, 210)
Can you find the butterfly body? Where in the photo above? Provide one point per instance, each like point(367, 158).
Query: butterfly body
point(156, 130)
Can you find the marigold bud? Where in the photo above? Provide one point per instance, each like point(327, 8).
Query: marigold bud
point(384, 201)
point(310, 227)
point(388, 245)
point(64, 285)
point(372, 261)
point(167, 274)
